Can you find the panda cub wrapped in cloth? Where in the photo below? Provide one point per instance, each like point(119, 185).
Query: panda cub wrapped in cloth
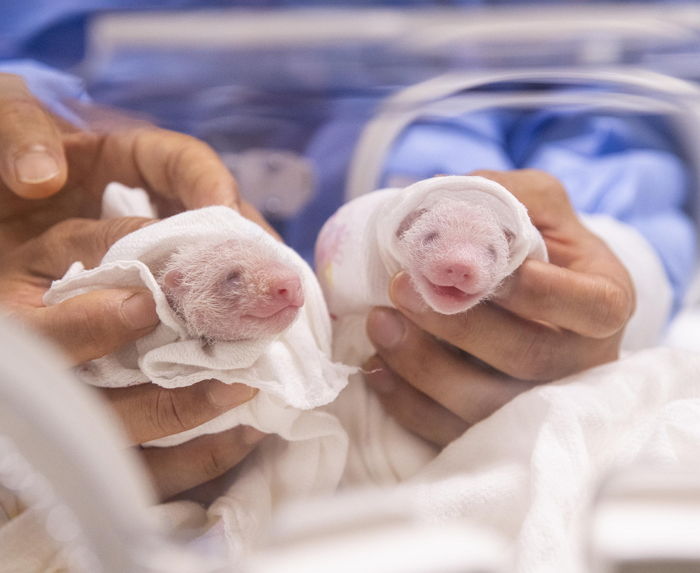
point(457, 237)
point(237, 306)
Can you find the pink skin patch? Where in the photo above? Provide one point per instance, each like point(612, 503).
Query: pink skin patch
point(330, 240)
point(235, 290)
point(456, 254)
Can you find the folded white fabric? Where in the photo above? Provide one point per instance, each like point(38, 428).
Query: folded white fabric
point(532, 469)
point(293, 370)
point(531, 473)
point(357, 254)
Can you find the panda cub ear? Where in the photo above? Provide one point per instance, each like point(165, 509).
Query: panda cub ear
point(172, 281)
point(510, 238)
point(408, 222)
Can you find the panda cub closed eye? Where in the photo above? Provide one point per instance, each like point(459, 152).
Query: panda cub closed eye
point(456, 253)
point(231, 290)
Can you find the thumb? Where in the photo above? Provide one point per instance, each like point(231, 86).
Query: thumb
point(32, 161)
point(97, 323)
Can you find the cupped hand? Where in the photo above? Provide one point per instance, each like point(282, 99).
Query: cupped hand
point(149, 412)
point(52, 176)
point(86, 326)
point(64, 170)
point(438, 375)
point(91, 325)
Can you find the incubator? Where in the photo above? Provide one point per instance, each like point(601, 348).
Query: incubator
point(310, 107)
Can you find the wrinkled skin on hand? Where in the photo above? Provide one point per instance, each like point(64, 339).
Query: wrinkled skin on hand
point(178, 171)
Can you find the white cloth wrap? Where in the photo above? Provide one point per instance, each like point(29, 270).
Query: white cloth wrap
point(527, 241)
point(356, 257)
point(531, 471)
point(357, 251)
point(293, 370)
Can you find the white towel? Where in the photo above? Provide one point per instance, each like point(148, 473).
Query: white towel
point(531, 473)
point(357, 255)
point(532, 469)
point(293, 371)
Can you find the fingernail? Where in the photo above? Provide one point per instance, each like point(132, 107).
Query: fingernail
point(139, 311)
point(404, 295)
point(382, 380)
point(373, 363)
point(385, 327)
point(36, 166)
point(229, 395)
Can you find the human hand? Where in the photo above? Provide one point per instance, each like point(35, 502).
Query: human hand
point(91, 325)
point(32, 163)
point(149, 412)
point(437, 375)
point(64, 171)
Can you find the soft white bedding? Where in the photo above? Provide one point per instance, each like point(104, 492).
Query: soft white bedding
point(530, 471)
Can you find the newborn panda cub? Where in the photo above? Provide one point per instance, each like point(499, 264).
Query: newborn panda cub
point(231, 291)
point(456, 254)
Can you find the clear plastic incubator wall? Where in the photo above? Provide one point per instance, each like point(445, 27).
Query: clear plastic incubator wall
point(321, 108)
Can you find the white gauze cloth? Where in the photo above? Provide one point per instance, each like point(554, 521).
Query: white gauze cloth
point(356, 257)
point(531, 472)
point(293, 371)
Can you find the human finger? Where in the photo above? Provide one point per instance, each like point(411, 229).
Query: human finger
point(91, 324)
point(543, 195)
point(511, 344)
point(32, 160)
point(466, 388)
point(588, 304)
point(182, 167)
point(250, 212)
point(96, 323)
point(85, 240)
point(411, 408)
point(179, 468)
point(149, 411)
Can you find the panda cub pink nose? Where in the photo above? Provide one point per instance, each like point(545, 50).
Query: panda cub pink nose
point(282, 293)
point(288, 292)
point(458, 275)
